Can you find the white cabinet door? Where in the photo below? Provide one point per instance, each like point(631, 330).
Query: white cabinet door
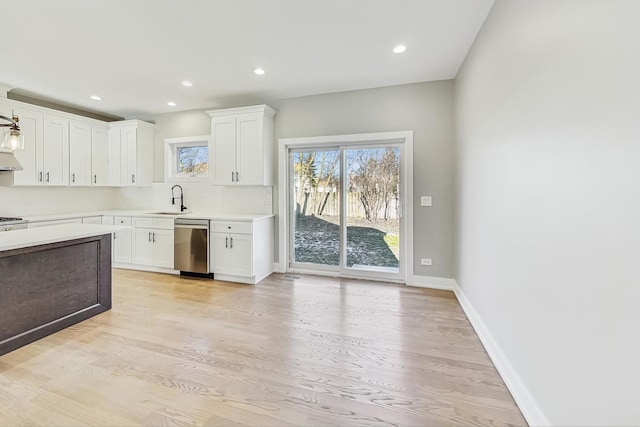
point(100, 157)
point(79, 154)
point(56, 151)
point(249, 156)
point(163, 248)
point(115, 159)
point(219, 253)
point(142, 246)
point(31, 126)
point(240, 255)
point(128, 156)
point(223, 132)
point(122, 246)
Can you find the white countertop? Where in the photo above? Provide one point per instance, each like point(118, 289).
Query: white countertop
point(56, 233)
point(150, 213)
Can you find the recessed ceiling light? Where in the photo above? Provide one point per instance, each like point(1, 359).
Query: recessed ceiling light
point(171, 104)
point(258, 71)
point(399, 49)
point(187, 83)
point(96, 98)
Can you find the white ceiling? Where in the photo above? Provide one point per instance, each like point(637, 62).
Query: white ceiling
point(135, 53)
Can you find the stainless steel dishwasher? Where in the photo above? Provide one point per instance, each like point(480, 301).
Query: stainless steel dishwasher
point(191, 247)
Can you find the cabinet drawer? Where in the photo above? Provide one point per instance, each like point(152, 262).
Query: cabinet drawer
point(163, 223)
point(92, 220)
point(232, 227)
point(54, 222)
point(143, 222)
point(123, 220)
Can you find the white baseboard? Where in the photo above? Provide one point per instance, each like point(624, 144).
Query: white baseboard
point(527, 404)
point(431, 282)
point(145, 268)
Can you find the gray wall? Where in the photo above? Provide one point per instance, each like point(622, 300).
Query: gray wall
point(425, 108)
point(548, 206)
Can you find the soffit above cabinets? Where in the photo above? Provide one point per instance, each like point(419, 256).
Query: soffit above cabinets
point(135, 55)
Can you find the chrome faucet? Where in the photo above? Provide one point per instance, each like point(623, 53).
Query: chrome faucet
point(173, 198)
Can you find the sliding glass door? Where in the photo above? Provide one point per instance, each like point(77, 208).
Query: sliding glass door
point(315, 204)
point(345, 210)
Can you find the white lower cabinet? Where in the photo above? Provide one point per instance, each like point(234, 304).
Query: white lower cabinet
point(232, 254)
point(152, 242)
point(121, 240)
point(122, 247)
point(241, 251)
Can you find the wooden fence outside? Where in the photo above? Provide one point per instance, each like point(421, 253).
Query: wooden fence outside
point(331, 202)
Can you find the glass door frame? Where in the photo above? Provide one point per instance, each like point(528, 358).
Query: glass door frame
point(350, 272)
point(307, 266)
point(405, 145)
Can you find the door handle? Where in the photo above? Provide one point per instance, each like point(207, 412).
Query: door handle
point(231, 245)
point(226, 242)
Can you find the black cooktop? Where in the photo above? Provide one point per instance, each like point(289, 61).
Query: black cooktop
point(5, 219)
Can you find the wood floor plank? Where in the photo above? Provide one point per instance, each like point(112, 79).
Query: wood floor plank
point(314, 351)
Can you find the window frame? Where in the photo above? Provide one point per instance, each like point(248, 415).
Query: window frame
point(171, 146)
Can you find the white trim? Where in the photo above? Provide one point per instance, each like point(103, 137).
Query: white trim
point(337, 274)
point(432, 282)
point(403, 137)
point(170, 161)
point(525, 401)
point(278, 267)
point(270, 112)
point(145, 268)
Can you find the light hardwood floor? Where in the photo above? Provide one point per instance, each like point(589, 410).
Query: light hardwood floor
point(308, 352)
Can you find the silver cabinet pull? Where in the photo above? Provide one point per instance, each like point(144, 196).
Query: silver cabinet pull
point(149, 237)
point(133, 179)
point(231, 245)
point(47, 176)
point(232, 179)
point(154, 237)
point(237, 176)
point(226, 242)
point(40, 177)
point(95, 179)
point(73, 177)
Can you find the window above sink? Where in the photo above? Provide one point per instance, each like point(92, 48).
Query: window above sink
point(187, 159)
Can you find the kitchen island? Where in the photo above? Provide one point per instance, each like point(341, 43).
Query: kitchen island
point(52, 278)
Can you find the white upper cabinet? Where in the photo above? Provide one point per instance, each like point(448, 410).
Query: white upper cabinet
point(242, 146)
point(101, 157)
point(56, 151)
point(80, 154)
point(135, 139)
point(31, 126)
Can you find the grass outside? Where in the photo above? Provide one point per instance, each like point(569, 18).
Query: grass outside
point(317, 241)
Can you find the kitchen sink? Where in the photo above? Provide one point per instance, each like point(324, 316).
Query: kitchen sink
point(167, 213)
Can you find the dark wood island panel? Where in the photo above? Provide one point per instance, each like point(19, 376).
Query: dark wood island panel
point(46, 288)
